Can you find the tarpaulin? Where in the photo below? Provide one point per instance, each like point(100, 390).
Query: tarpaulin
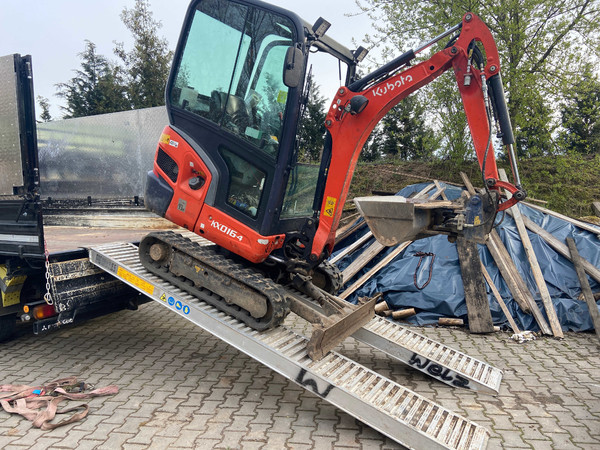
point(402, 280)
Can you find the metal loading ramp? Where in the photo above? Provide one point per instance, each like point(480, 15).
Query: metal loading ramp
point(386, 406)
point(430, 357)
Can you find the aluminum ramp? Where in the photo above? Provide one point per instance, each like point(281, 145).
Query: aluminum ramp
point(422, 353)
point(386, 406)
point(430, 357)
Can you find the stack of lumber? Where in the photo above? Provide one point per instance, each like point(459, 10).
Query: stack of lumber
point(527, 276)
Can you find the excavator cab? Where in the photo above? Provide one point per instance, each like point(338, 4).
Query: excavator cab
point(227, 167)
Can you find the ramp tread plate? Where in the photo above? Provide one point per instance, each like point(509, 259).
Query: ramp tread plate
point(390, 402)
point(429, 356)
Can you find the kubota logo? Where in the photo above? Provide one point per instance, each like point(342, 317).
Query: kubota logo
point(225, 229)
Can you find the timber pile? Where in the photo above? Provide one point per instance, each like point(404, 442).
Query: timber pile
point(515, 287)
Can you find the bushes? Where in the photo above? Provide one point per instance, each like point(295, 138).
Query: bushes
point(569, 183)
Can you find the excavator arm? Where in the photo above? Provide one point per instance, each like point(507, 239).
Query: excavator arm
point(357, 109)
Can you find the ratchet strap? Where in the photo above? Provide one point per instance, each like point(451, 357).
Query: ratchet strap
point(39, 404)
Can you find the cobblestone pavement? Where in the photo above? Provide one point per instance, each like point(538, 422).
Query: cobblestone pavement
point(181, 387)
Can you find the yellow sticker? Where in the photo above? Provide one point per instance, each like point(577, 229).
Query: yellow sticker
point(477, 220)
point(163, 297)
point(329, 206)
point(164, 138)
point(282, 97)
point(135, 280)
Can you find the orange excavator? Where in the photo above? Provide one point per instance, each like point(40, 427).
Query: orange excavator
point(227, 166)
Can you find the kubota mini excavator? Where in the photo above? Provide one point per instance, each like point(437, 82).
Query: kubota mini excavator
point(227, 165)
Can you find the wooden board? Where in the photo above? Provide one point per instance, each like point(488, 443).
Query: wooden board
point(585, 286)
point(577, 223)
point(478, 308)
point(535, 267)
point(381, 264)
point(561, 248)
point(510, 274)
point(500, 300)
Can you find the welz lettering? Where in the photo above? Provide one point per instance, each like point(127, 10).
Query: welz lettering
point(312, 384)
point(389, 87)
point(438, 371)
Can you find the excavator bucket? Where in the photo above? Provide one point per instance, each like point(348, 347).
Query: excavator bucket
point(396, 219)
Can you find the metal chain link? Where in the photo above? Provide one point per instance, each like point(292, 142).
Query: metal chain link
point(49, 279)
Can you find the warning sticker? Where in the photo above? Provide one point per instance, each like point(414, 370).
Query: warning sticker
point(135, 280)
point(329, 206)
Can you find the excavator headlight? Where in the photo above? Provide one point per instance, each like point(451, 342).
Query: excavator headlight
point(357, 104)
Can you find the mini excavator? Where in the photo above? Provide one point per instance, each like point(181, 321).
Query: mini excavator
point(227, 166)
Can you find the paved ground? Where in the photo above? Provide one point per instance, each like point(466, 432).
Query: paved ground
point(182, 388)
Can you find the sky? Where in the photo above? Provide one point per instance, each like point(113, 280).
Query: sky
point(54, 32)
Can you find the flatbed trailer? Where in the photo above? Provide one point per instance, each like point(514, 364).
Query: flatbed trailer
point(63, 262)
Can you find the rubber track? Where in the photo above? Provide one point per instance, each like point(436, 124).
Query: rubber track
point(274, 293)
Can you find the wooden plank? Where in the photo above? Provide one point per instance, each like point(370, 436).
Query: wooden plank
point(596, 206)
point(345, 231)
point(478, 308)
point(442, 190)
point(535, 267)
point(367, 255)
point(352, 248)
point(577, 223)
point(500, 300)
point(561, 248)
point(585, 286)
point(375, 248)
point(385, 261)
point(510, 274)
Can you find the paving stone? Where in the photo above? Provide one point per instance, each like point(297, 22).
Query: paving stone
point(183, 388)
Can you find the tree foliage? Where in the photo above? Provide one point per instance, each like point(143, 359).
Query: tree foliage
point(312, 126)
point(44, 105)
point(403, 133)
point(580, 115)
point(147, 64)
point(542, 46)
point(96, 87)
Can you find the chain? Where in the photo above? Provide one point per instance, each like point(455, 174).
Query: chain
point(49, 280)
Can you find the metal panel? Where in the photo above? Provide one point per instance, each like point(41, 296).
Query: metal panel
point(11, 165)
point(103, 156)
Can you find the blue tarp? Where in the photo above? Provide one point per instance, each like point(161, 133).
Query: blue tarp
point(444, 295)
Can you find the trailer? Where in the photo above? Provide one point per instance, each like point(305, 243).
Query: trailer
point(66, 257)
point(55, 204)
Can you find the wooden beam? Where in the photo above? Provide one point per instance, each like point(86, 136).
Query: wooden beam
point(509, 272)
point(442, 190)
point(381, 264)
point(375, 248)
point(345, 231)
point(577, 223)
point(585, 286)
point(561, 248)
point(478, 308)
point(535, 266)
point(596, 206)
point(363, 259)
point(500, 300)
point(352, 248)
